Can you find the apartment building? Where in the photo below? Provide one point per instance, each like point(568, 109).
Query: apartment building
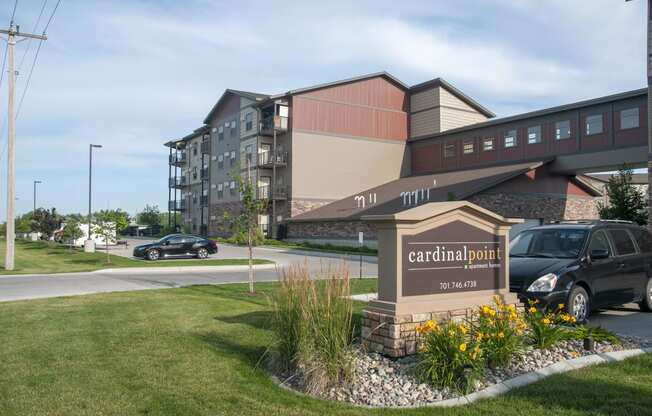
point(323, 154)
point(307, 147)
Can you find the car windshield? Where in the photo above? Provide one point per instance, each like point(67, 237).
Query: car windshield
point(548, 243)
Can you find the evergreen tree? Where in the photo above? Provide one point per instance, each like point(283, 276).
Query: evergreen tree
point(625, 202)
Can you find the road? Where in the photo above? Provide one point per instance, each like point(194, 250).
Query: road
point(627, 320)
point(20, 287)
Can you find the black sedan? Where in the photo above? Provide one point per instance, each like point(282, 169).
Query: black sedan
point(176, 245)
point(583, 265)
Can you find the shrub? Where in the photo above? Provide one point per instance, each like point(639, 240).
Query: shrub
point(546, 327)
point(499, 331)
point(449, 356)
point(313, 323)
point(598, 334)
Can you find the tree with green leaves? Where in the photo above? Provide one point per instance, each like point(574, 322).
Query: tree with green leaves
point(624, 200)
point(245, 222)
point(46, 222)
point(71, 231)
point(105, 226)
point(150, 216)
point(23, 223)
point(120, 217)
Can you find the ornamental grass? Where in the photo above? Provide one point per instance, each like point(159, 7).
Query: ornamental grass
point(314, 327)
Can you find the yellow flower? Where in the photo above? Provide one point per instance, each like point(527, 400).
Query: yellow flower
point(561, 306)
point(501, 335)
point(462, 347)
point(532, 309)
point(463, 329)
point(574, 354)
point(546, 321)
point(479, 336)
point(451, 332)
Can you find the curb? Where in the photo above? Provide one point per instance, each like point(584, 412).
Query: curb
point(181, 269)
point(316, 253)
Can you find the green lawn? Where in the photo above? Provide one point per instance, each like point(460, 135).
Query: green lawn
point(45, 257)
point(194, 351)
point(326, 248)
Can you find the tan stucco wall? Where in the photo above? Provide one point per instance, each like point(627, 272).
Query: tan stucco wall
point(333, 167)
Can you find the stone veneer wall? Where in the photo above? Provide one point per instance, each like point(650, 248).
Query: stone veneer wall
point(216, 225)
point(546, 207)
point(299, 206)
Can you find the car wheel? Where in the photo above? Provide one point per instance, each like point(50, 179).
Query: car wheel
point(579, 304)
point(202, 253)
point(153, 255)
point(646, 303)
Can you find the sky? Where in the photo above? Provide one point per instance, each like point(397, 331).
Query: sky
point(133, 74)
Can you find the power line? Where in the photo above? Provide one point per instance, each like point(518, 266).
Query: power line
point(13, 13)
point(29, 41)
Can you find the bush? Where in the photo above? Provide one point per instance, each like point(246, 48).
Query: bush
point(598, 334)
point(314, 328)
point(499, 331)
point(546, 327)
point(449, 356)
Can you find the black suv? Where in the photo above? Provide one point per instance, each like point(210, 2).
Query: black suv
point(584, 265)
point(176, 245)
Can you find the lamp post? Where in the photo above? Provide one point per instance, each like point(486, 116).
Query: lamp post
point(89, 245)
point(35, 183)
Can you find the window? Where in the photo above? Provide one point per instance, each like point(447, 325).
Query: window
point(469, 148)
point(534, 134)
point(194, 150)
point(232, 187)
point(194, 172)
point(510, 138)
point(488, 144)
point(599, 242)
point(594, 124)
point(449, 150)
point(562, 130)
point(249, 123)
point(220, 133)
point(232, 158)
point(555, 243)
point(623, 242)
point(629, 119)
point(644, 239)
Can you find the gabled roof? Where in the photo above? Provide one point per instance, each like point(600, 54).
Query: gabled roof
point(440, 82)
point(538, 113)
point(196, 132)
point(389, 198)
point(254, 96)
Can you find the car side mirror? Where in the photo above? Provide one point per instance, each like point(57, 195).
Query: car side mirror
point(167, 243)
point(599, 254)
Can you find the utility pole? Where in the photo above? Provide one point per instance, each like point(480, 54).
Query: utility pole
point(13, 33)
point(89, 245)
point(35, 183)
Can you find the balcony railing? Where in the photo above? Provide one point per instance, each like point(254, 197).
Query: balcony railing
point(206, 147)
point(280, 192)
point(179, 205)
point(271, 123)
point(269, 159)
point(205, 174)
point(178, 182)
point(178, 158)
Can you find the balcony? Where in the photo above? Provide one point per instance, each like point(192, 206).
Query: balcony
point(271, 123)
point(280, 193)
point(270, 159)
point(178, 158)
point(178, 182)
point(179, 205)
point(204, 200)
point(205, 174)
point(206, 147)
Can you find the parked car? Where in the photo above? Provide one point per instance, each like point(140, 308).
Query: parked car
point(176, 245)
point(584, 265)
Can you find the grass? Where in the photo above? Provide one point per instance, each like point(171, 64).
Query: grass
point(34, 257)
point(194, 351)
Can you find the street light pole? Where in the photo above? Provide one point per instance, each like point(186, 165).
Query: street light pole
point(88, 245)
point(35, 183)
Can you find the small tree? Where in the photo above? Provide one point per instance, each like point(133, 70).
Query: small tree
point(105, 225)
point(150, 216)
point(246, 221)
point(72, 231)
point(46, 222)
point(23, 223)
point(624, 201)
point(121, 218)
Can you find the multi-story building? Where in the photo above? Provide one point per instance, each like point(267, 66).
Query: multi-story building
point(325, 154)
